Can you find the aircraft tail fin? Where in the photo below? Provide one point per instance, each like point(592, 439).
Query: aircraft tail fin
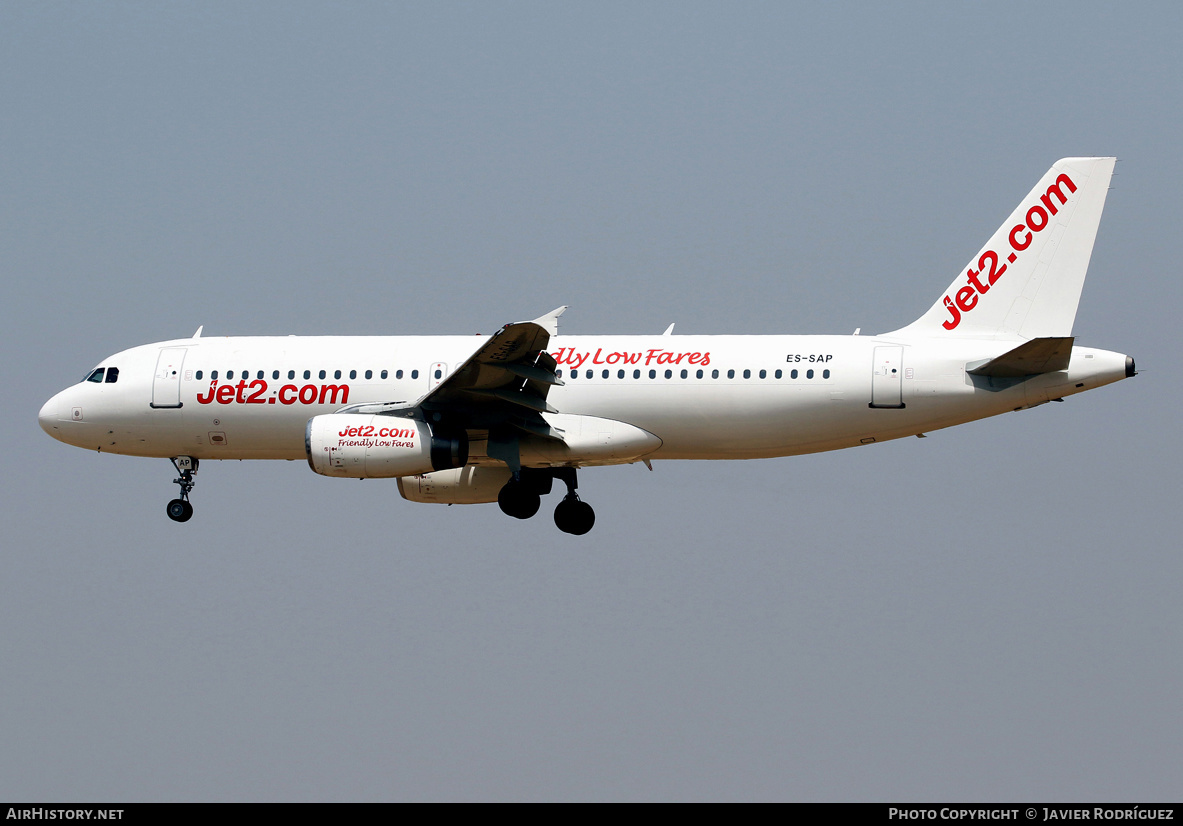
point(1026, 282)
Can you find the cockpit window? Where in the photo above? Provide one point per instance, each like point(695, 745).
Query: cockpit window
point(112, 375)
point(96, 376)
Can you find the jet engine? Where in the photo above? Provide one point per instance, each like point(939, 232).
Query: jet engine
point(357, 446)
point(470, 485)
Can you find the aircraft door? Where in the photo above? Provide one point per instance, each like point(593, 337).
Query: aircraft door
point(166, 384)
point(439, 372)
point(887, 389)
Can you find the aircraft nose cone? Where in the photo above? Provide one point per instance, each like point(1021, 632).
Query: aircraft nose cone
point(50, 416)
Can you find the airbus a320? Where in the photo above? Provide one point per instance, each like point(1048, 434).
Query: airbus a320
point(458, 420)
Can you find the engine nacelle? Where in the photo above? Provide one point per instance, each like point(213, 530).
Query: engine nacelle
point(470, 485)
point(358, 446)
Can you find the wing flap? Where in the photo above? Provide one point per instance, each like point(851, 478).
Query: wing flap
point(522, 398)
point(534, 372)
point(538, 427)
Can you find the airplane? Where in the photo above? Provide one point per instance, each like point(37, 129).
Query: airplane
point(498, 419)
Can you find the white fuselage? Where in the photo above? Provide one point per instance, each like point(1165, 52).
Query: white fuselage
point(703, 397)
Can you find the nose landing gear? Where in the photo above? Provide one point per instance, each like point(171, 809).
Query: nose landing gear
point(179, 510)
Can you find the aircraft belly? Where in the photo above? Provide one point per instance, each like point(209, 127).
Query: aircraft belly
point(765, 422)
point(701, 423)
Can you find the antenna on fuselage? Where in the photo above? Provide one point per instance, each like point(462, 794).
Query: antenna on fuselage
point(198, 333)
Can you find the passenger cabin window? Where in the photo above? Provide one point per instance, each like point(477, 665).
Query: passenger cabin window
point(112, 375)
point(198, 374)
point(97, 376)
point(414, 374)
point(369, 374)
point(291, 374)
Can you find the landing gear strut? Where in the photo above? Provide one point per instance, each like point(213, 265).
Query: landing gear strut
point(179, 510)
point(573, 515)
point(522, 496)
point(516, 499)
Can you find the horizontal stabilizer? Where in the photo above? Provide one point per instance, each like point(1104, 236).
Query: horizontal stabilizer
point(1039, 355)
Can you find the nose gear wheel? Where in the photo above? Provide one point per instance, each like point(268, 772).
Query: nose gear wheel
point(180, 510)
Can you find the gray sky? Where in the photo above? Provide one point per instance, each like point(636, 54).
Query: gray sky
point(992, 613)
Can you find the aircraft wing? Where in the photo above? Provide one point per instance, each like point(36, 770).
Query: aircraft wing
point(505, 382)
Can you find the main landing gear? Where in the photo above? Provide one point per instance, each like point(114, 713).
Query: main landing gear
point(179, 510)
point(522, 495)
